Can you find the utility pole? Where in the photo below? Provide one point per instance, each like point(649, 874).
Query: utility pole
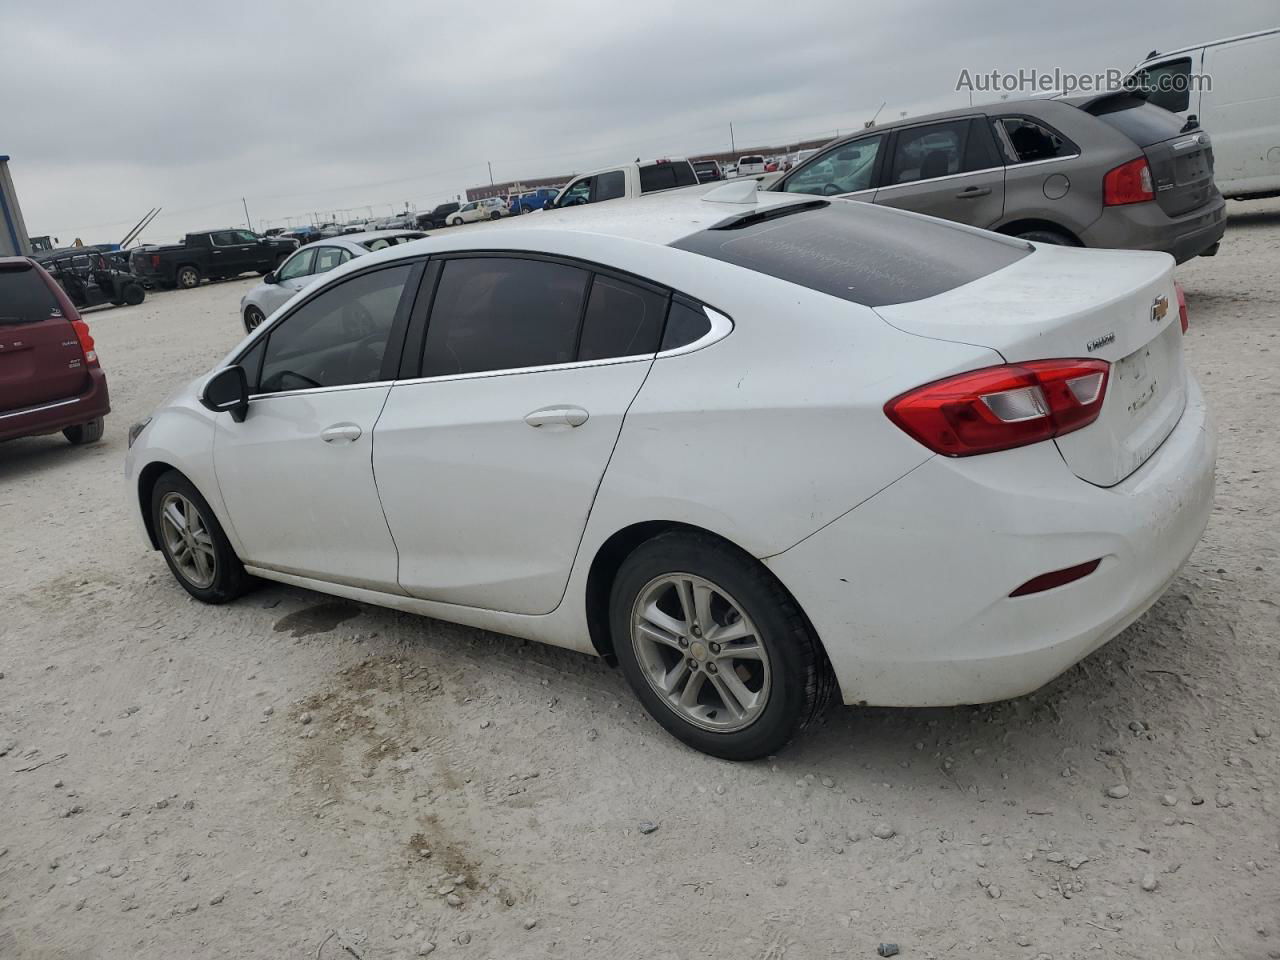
point(490, 163)
point(246, 214)
point(732, 146)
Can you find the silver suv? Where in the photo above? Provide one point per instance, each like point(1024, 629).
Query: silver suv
point(1103, 171)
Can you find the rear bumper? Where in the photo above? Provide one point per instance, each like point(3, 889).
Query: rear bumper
point(909, 592)
point(56, 414)
point(1144, 226)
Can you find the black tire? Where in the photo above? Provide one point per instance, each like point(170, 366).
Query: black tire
point(1049, 236)
point(83, 433)
point(253, 318)
point(229, 579)
point(187, 277)
point(802, 682)
point(495, 215)
point(134, 294)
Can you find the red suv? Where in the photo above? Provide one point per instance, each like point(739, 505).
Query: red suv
point(49, 374)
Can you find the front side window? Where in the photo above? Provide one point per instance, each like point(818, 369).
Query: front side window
point(299, 265)
point(1031, 141)
point(503, 313)
point(923, 153)
point(224, 238)
point(336, 338)
point(578, 192)
point(1166, 84)
point(244, 236)
point(847, 168)
point(327, 258)
point(611, 186)
point(622, 320)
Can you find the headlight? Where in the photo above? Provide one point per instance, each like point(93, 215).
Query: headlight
point(136, 429)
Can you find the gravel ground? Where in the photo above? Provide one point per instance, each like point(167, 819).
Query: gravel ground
point(293, 776)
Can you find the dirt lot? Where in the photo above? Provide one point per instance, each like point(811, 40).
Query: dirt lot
point(292, 776)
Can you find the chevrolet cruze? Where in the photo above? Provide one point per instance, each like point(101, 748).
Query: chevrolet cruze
point(757, 449)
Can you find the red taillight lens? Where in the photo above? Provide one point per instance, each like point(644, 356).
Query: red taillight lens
point(1182, 307)
point(1128, 183)
point(1057, 578)
point(86, 342)
point(998, 408)
point(155, 261)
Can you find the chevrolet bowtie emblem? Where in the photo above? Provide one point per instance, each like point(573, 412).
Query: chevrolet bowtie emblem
point(1159, 307)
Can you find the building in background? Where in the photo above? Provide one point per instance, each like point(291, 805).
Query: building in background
point(509, 187)
point(13, 229)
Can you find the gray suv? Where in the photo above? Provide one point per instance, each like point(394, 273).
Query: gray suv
point(1101, 171)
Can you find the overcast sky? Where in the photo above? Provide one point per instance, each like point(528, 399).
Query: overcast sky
point(110, 109)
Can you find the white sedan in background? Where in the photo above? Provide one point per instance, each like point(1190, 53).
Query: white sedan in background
point(756, 449)
point(308, 264)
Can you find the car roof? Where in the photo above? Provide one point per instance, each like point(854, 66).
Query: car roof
point(359, 239)
point(1030, 105)
point(1162, 54)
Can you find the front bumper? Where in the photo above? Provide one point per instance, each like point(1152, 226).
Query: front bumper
point(909, 592)
point(1144, 226)
point(56, 415)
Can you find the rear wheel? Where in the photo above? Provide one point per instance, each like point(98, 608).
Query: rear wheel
point(187, 277)
point(253, 317)
point(83, 433)
point(1049, 236)
point(193, 543)
point(715, 648)
point(134, 294)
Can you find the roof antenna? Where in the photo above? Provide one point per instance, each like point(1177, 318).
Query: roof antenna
point(872, 122)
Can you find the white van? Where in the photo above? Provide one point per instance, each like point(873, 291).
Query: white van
point(1239, 106)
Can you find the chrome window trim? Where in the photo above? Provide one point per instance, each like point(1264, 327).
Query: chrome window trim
point(312, 391)
point(542, 368)
point(1036, 163)
point(721, 327)
point(949, 176)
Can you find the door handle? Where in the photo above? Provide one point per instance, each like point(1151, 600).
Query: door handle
point(564, 416)
point(340, 433)
point(969, 193)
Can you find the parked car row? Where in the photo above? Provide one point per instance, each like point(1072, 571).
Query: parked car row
point(209, 255)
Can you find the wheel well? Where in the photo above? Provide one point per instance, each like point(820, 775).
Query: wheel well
point(1021, 226)
point(184, 265)
point(604, 569)
point(147, 480)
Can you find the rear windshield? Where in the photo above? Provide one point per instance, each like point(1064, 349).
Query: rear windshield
point(857, 252)
point(25, 297)
point(1143, 123)
point(664, 176)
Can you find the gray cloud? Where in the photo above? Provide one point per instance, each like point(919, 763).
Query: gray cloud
point(111, 109)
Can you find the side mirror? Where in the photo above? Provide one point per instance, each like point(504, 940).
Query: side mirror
point(228, 392)
point(270, 277)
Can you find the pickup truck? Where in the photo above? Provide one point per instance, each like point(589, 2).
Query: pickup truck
point(211, 255)
point(625, 181)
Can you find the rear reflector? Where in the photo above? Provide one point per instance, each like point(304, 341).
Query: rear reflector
point(1182, 306)
point(86, 341)
point(1057, 578)
point(998, 408)
point(1128, 183)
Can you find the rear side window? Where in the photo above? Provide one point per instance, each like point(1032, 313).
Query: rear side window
point(611, 186)
point(859, 252)
point(622, 320)
point(664, 176)
point(503, 313)
point(934, 150)
point(25, 298)
point(327, 258)
point(1032, 141)
point(336, 338)
point(686, 323)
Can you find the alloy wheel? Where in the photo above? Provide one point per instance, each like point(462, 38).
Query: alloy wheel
point(252, 317)
point(188, 541)
point(700, 652)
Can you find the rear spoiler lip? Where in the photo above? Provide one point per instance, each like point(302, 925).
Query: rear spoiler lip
point(1087, 103)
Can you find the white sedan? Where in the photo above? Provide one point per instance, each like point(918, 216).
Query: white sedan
point(756, 449)
point(309, 263)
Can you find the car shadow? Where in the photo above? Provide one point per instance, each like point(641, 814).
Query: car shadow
point(1253, 218)
point(26, 457)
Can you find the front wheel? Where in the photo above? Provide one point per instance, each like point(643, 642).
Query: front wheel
point(715, 648)
point(253, 318)
point(134, 294)
point(198, 552)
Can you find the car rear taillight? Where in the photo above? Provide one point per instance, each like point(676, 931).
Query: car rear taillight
point(1182, 307)
point(86, 341)
point(155, 261)
point(1128, 183)
point(998, 408)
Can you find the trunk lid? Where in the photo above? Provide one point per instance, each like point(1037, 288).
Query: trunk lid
point(40, 355)
point(1181, 160)
point(1064, 302)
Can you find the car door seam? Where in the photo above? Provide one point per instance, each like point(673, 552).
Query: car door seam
point(373, 471)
